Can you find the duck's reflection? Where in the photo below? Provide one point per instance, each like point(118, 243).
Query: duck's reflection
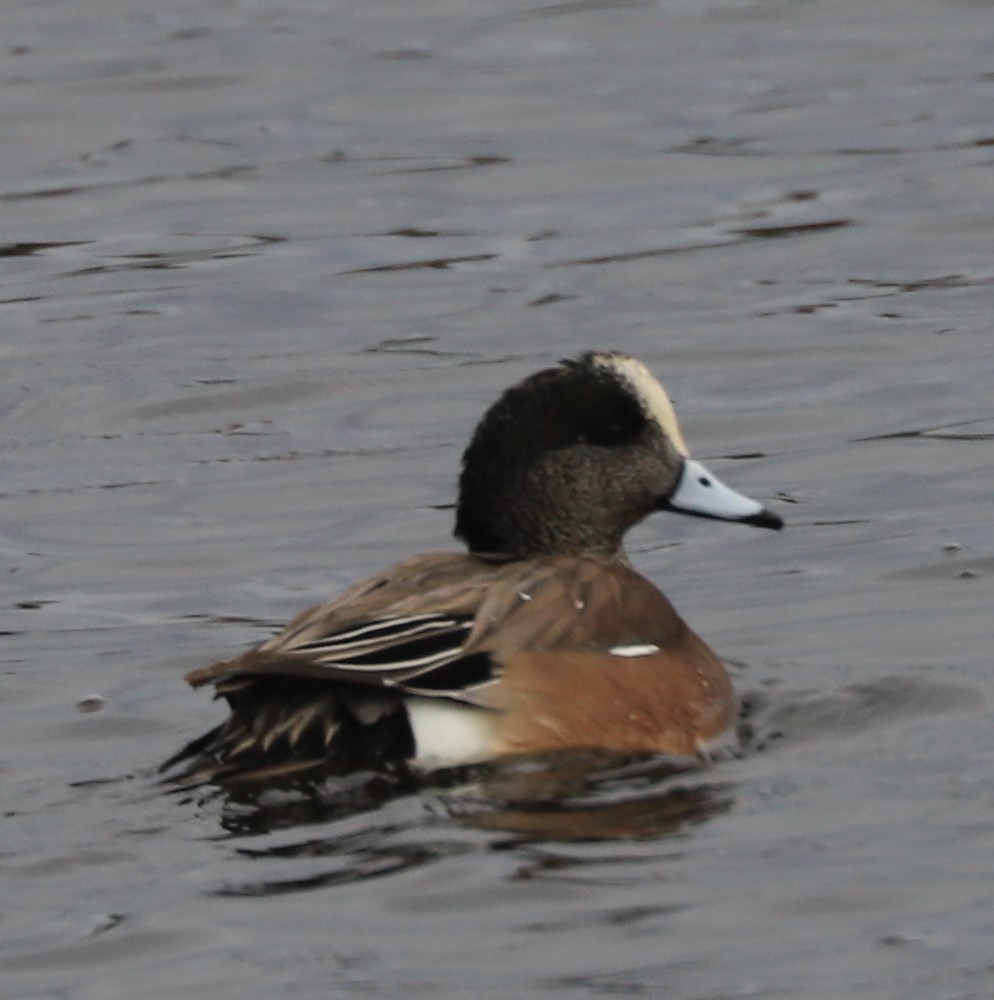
point(596, 797)
point(566, 797)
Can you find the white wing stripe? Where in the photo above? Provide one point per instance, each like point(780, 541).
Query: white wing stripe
point(417, 665)
point(634, 649)
point(343, 644)
point(382, 627)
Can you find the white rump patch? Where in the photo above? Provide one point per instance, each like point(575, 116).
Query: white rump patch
point(634, 649)
point(446, 734)
point(649, 390)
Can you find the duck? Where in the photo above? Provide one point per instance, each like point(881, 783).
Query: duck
point(540, 637)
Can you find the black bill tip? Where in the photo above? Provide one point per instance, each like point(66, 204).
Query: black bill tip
point(764, 519)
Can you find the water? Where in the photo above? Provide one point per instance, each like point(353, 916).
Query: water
point(264, 264)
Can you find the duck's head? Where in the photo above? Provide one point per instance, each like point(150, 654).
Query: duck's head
point(567, 461)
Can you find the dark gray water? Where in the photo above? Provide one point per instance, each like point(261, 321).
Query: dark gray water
point(264, 264)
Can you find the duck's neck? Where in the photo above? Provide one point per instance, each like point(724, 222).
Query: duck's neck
point(520, 534)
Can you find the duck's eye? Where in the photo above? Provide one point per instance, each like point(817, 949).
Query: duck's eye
point(703, 481)
point(610, 432)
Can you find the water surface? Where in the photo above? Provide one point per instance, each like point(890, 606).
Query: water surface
point(264, 266)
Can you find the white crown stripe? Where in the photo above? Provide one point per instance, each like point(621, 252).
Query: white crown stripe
point(650, 393)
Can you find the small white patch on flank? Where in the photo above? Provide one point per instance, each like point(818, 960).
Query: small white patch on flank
point(653, 396)
point(446, 734)
point(634, 649)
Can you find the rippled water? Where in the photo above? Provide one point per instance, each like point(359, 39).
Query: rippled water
point(264, 264)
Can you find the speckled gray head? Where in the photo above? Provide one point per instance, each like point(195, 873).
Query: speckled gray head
point(571, 458)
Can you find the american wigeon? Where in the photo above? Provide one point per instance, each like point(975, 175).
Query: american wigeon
point(541, 637)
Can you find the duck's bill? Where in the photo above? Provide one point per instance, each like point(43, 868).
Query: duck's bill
point(703, 494)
